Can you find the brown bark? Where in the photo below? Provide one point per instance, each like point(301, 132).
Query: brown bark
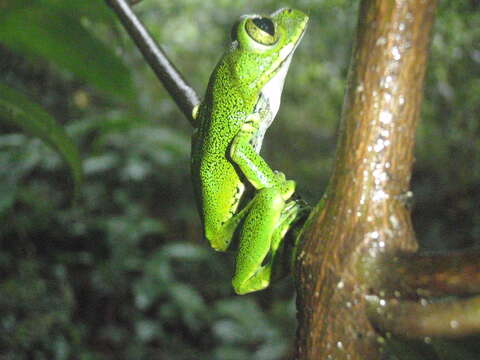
point(364, 213)
point(421, 319)
point(426, 275)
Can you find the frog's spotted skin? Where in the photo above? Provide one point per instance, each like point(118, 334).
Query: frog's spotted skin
point(241, 101)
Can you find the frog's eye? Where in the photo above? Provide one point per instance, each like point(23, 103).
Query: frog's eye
point(262, 30)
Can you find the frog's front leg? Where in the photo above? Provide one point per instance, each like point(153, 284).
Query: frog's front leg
point(252, 165)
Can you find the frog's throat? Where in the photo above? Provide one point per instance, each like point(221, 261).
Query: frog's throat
point(269, 98)
point(272, 90)
point(268, 102)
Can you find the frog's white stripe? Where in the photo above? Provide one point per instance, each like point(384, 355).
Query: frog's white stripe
point(274, 87)
point(269, 100)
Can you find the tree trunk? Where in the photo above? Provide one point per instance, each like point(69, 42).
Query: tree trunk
point(364, 213)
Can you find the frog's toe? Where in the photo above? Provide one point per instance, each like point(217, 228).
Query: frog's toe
point(280, 175)
point(287, 189)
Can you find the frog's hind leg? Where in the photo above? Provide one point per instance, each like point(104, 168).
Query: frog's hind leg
point(252, 273)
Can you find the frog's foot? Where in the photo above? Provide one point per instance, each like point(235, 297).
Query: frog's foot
point(286, 236)
point(288, 215)
point(259, 281)
point(286, 187)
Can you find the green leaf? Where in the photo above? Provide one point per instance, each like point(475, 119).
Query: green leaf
point(465, 349)
point(93, 9)
point(16, 109)
point(7, 196)
point(58, 36)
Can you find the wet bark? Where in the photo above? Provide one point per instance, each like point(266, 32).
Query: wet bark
point(365, 212)
point(430, 274)
point(425, 319)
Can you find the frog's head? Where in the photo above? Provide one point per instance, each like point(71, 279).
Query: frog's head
point(261, 52)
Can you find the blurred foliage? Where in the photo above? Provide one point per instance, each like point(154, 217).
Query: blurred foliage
point(125, 273)
point(20, 112)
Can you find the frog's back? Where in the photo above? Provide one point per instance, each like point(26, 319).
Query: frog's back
point(218, 188)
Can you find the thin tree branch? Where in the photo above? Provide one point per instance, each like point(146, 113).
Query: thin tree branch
point(181, 92)
point(417, 320)
point(408, 275)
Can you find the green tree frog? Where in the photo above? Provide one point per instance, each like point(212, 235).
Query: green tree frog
point(241, 200)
